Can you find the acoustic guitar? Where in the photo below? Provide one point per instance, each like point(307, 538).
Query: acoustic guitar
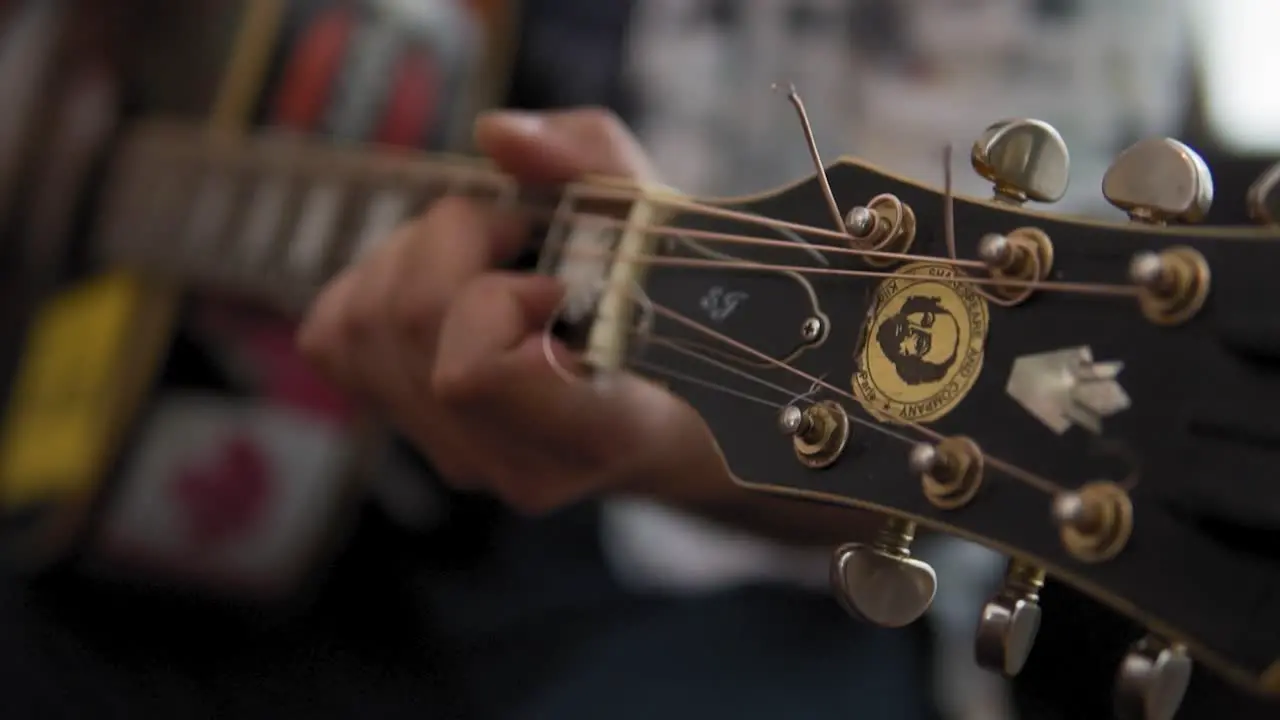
point(1092, 399)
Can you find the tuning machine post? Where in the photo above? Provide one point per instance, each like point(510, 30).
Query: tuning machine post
point(880, 582)
point(950, 472)
point(1025, 159)
point(1152, 680)
point(1094, 522)
point(819, 433)
point(1173, 284)
point(1010, 620)
point(884, 224)
point(1025, 255)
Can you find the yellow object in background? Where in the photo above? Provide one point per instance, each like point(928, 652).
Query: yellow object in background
point(90, 354)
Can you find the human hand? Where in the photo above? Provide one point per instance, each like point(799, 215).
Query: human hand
point(429, 331)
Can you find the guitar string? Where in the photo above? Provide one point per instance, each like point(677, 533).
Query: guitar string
point(756, 266)
point(739, 239)
point(949, 235)
point(1090, 288)
point(601, 190)
point(605, 221)
point(817, 382)
point(677, 375)
point(1036, 481)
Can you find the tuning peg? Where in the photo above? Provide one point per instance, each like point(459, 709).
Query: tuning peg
point(1152, 680)
point(1263, 199)
point(1160, 180)
point(1010, 620)
point(881, 582)
point(1095, 521)
point(1026, 160)
point(950, 472)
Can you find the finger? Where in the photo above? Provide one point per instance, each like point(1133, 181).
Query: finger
point(321, 337)
point(571, 439)
point(435, 256)
point(494, 373)
point(492, 315)
point(561, 146)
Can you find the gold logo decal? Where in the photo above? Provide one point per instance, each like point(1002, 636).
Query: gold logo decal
point(921, 349)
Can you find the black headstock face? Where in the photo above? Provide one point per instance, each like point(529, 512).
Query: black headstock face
point(1184, 432)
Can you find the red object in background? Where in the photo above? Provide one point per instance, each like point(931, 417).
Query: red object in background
point(224, 499)
point(412, 106)
point(313, 64)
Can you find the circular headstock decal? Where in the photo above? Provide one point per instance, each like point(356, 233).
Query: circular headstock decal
point(922, 347)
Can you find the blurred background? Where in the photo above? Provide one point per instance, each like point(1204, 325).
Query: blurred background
point(195, 526)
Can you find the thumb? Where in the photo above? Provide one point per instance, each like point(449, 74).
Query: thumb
point(561, 146)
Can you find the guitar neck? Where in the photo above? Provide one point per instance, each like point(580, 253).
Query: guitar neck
point(274, 216)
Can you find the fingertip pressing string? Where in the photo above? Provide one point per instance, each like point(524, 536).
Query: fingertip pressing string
point(643, 328)
point(577, 292)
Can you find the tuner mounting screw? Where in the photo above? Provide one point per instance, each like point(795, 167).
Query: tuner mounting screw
point(1094, 522)
point(881, 582)
point(812, 330)
point(1152, 680)
point(1010, 620)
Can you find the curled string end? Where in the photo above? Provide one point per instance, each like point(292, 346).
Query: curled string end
point(833, 207)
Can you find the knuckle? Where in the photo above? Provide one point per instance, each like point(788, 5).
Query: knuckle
point(417, 309)
point(319, 337)
point(444, 216)
point(454, 385)
point(360, 317)
point(315, 343)
point(604, 122)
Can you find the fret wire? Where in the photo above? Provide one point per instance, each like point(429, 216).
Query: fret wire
point(210, 214)
point(558, 232)
point(264, 219)
point(258, 197)
point(315, 228)
point(384, 211)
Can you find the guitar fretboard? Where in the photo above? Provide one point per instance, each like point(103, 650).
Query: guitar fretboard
point(274, 216)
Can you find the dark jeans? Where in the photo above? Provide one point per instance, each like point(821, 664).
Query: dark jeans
point(523, 623)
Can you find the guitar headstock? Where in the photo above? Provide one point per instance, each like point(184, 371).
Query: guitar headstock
point(1093, 399)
